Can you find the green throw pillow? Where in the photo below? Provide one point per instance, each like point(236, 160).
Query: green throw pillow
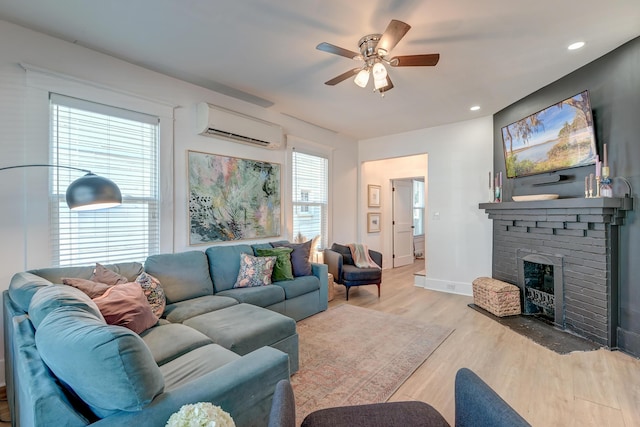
point(283, 269)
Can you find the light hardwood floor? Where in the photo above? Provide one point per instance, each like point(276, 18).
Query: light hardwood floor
point(598, 388)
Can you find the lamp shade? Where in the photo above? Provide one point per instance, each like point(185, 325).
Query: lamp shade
point(362, 78)
point(93, 192)
point(380, 83)
point(378, 71)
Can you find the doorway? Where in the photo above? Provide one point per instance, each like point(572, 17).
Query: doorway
point(402, 223)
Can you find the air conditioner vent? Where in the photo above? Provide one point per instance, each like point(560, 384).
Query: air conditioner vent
point(217, 121)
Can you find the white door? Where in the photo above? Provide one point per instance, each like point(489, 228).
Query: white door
point(402, 223)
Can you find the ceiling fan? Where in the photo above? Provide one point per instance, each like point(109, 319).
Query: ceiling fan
point(374, 51)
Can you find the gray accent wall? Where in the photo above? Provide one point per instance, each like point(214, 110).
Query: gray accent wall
point(613, 82)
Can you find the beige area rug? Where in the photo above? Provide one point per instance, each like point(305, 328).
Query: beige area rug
point(351, 355)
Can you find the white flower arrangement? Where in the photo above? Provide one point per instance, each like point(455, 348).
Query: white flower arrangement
point(202, 414)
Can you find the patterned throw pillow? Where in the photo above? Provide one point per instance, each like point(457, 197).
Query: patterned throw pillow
point(254, 271)
point(153, 291)
point(282, 270)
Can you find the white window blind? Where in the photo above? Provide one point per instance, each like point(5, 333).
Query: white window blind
point(310, 197)
point(118, 144)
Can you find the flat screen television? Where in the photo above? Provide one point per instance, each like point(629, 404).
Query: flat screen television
point(559, 137)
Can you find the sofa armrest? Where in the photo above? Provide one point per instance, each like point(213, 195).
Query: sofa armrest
point(334, 262)
point(244, 388)
point(478, 405)
point(322, 273)
point(376, 257)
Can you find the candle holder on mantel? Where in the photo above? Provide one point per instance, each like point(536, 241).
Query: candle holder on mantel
point(498, 195)
point(604, 187)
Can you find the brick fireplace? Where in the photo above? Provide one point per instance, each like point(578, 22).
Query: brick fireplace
point(563, 255)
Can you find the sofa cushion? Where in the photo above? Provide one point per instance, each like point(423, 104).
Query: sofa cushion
point(153, 291)
point(195, 364)
point(299, 257)
point(255, 271)
point(224, 264)
point(299, 286)
point(48, 298)
point(183, 310)
point(39, 398)
point(126, 305)
point(244, 328)
point(82, 351)
point(351, 272)
point(283, 269)
point(257, 246)
point(183, 275)
point(262, 296)
point(130, 270)
point(170, 341)
point(23, 286)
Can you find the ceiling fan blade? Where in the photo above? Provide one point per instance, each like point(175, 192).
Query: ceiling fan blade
point(415, 60)
point(336, 50)
point(392, 35)
point(344, 76)
point(388, 87)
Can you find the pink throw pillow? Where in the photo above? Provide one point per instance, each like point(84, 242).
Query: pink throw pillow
point(126, 305)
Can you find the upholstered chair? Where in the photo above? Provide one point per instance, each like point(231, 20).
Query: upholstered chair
point(476, 405)
point(345, 272)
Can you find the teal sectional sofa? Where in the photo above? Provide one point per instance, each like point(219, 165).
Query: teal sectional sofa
point(230, 346)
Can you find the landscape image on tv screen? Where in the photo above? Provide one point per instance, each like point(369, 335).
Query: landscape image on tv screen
point(559, 137)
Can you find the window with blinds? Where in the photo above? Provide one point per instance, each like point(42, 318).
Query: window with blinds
point(118, 144)
point(418, 208)
point(310, 197)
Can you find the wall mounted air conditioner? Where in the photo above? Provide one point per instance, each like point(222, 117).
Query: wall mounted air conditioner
point(215, 121)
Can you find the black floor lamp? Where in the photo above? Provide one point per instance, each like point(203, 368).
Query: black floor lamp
point(88, 192)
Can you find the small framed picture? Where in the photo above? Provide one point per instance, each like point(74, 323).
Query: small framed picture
point(373, 222)
point(373, 196)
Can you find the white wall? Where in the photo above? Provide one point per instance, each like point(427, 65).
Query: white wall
point(458, 234)
point(24, 139)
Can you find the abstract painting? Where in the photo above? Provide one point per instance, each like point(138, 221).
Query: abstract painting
point(232, 198)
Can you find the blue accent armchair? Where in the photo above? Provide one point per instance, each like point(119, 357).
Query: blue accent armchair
point(345, 272)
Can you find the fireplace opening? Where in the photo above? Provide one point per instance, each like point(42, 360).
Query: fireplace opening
point(539, 292)
point(541, 282)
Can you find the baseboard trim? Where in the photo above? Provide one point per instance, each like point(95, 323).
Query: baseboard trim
point(629, 342)
point(458, 288)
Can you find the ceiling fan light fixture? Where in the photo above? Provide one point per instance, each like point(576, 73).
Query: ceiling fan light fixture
point(379, 71)
point(380, 83)
point(362, 78)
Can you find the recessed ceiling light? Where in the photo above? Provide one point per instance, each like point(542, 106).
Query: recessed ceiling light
point(475, 108)
point(576, 45)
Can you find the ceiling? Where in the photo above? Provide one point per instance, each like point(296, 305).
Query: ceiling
point(492, 52)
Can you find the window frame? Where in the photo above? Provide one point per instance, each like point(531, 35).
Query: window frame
point(39, 83)
point(418, 206)
point(326, 206)
point(79, 127)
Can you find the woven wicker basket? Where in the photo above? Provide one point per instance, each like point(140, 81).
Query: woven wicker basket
point(497, 297)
